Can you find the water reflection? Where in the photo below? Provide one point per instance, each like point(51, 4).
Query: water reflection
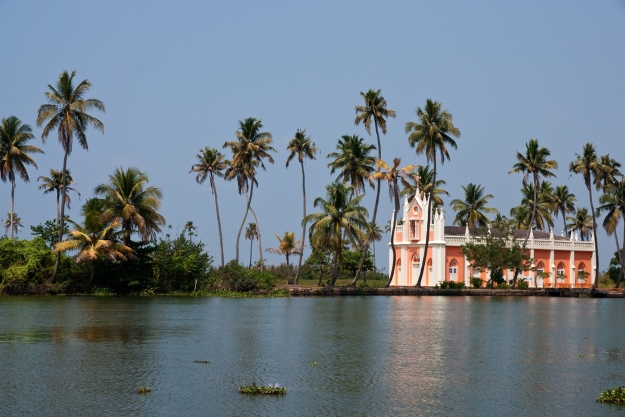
point(433, 356)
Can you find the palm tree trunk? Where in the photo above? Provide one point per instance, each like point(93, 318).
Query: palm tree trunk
point(247, 209)
point(335, 272)
point(260, 244)
point(301, 255)
point(61, 219)
point(390, 278)
point(375, 209)
point(529, 228)
point(594, 233)
point(221, 240)
point(251, 246)
point(58, 208)
point(12, 216)
point(621, 257)
point(427, 227)
point(566, 232)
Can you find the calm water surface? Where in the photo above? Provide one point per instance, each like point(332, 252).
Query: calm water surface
point(375, 356)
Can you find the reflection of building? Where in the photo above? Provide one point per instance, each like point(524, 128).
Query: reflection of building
point(554, 256)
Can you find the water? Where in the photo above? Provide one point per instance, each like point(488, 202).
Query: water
point(375, 356)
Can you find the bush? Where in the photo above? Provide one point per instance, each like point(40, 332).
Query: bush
point(456, 284)
point(503, 286)
point(522, 284)
point(612, 396)
point(476, 282)
point(25, 265)
point(443, 284)
point(235, 277)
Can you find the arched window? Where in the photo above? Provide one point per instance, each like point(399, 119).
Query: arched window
point(453, 270)
point(560, 270)
point(582, 274)
point(430, 267)
point(540, 267)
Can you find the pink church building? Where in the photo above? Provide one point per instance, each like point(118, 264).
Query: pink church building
point(563, 258)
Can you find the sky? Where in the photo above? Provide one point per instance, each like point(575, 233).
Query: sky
point(178, 76)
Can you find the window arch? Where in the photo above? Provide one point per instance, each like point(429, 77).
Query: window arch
point(582, 274)
point(540, 267)
point(453, 270)
point(415, 258)
point(560, 269)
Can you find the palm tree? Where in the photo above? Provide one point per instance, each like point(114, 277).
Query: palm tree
point(133, 203)
point(302, 146)
point(472, 210)
point(287, 246)
point(354, 161)
point(374, 110)
point(211, 164)
point(95, 238)
point(14, 223)
point(251, 233)
point(14, 155)
point(521, 217)
point(543, 209)
point(66, 112)
point(432, 134)
point(421, 182)
point(391, 175)
point(581, 222)
point(248, 151)
point(340, 215)
point(55, 183)
point(613, 203)
point(563, 203)
point(190, 228)
point(589, 167)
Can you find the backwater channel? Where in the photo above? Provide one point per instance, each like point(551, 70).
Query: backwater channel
point(336, 356)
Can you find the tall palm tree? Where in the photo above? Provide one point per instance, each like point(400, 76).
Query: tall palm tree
point(251, 233)
point(432, 134)
point(581, 222)
point(613, 204)
point(543, 208)
point(421, 182)
point(375, 110)
point(67, 113)
point(340, 215)
point(211, 164)
point(472, 211)
point(535, 164)
point(354, 162)
point(588, 165)
point(287, 246)
point(521, 217)
point(55, 183)
point(14, 155)
point(14, 223)
point(133, 203)
point(95, 238)
point(248, 151)
point(563, 203)
point(391, 175)
point(302, 146)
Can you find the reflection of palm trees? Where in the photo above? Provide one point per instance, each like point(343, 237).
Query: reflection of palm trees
point(340, 215)
point(251, 233)
point(14, 157)
point(302, 146)
point(66, 112)
point(431, 135)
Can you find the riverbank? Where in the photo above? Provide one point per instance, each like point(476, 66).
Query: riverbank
point(297, 291)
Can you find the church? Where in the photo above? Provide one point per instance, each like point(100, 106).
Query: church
point(557, 261)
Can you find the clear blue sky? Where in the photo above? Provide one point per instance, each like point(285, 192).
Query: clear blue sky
point(178, 76)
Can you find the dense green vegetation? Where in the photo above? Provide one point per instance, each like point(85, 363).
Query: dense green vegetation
point(116, 246)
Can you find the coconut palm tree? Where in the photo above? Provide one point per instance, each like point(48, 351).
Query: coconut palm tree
point(211, 164)
point(421, 182)
point(543, 209)
point(340, 215)
point(248, 151)
point(354, 162)
point(472, 210)
point(96, 238)
point(588, 165)
point(133, 203)
point(287, 246)
point(14, 223)
point(67, 113)
point(581, 222)
point(563, 203)
point(251, 233)
point(302, 146)
point(55, 183)
point(14, 156)
point(431, 135)
point(521, 217)
point(613, 204)
point(391, 175)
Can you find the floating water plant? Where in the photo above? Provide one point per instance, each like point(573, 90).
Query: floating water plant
point(613, 396)
point(202, 361)
point(263, 390)
point(143, 390)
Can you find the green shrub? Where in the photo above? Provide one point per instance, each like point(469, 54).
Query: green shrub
point(612, 396)
point(522, 284)
point(503, 286)
point(476, 282)
point(25, 265)
point(456, 284)
point(443, 284)
point(235, 277)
